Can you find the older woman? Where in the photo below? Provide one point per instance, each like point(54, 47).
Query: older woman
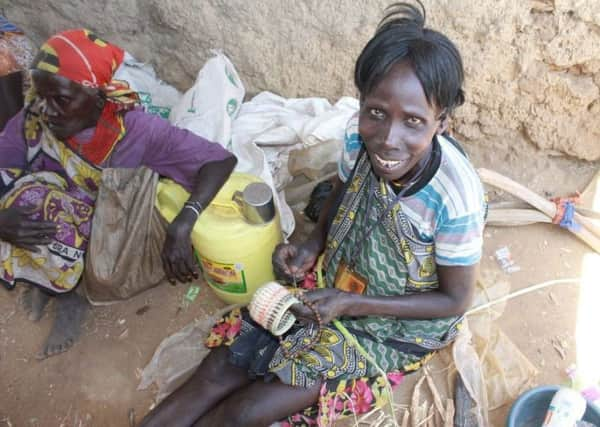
point(401, 247)
point(78, 121)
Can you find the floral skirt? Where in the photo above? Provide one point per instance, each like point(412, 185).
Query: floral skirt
point(58, 265)
point(350, 384)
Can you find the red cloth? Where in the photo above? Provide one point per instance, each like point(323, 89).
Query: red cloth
point(81, 57)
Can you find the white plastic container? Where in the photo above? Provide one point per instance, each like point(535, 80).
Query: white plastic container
point(566, 408)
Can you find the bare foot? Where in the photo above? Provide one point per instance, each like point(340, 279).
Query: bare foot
point(34, 301)
point(70, 313)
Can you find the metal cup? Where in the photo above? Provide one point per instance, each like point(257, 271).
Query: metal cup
point(256, 202)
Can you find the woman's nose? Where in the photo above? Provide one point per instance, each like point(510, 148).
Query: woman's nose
point(394, 136)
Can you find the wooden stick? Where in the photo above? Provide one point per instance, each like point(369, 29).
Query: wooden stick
point(509, 217)
point(589, 232)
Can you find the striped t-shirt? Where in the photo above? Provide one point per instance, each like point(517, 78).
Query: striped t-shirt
point(449, 209)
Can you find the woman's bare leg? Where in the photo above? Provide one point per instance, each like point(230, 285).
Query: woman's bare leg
point(71, 309)
point(259, 405)
point(214, 379)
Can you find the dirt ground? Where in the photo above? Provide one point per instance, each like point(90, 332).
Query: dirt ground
point(95, 383)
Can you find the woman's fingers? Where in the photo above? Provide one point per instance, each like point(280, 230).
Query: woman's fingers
point(25, 231)
point(303, 313)
point(27, 209)
point(185, 270)
point(168, 269)
point(19, 226)
point(28, 246)
point(39, 225)
point(34, 240)
point(179, 269)
point(190, 263)
point(281, 256)
point(291, 263)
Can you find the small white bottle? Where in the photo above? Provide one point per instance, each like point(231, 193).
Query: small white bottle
point(566, 408)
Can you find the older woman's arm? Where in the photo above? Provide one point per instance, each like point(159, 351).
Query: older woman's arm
point(200, 166)
point(178, 260)
point(453, 297)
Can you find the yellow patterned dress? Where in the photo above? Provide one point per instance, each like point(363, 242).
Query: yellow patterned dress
point(58, 186)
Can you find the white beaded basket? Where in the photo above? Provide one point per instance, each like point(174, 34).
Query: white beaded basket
point(270, 308)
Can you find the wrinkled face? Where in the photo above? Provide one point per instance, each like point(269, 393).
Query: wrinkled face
point(68, 107)
point(397, 124)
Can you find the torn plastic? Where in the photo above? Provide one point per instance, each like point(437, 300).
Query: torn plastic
point(493, 370)
point(178, 355)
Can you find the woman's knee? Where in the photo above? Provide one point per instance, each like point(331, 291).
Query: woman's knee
point(215, 363)
point(216, 370)
point(248, 411)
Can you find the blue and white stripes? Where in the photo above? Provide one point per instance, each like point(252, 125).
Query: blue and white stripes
point(449, 210)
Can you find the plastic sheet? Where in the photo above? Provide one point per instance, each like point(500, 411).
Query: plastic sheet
point(157, 97)
point(178, 355)
point(492, 369)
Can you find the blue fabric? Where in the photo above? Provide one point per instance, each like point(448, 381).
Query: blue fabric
point(8, 27)
point(568, 219)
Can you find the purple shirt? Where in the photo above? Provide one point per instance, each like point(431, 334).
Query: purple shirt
point(149, 141)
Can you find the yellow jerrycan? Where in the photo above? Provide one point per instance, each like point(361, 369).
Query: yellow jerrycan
point(234, 237)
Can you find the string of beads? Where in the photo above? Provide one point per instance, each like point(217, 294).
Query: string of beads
point(315, 337)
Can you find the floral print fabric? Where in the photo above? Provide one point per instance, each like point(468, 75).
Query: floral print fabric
point(338, 398)
point(60, 187)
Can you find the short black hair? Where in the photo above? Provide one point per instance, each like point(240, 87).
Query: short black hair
point(402, 36)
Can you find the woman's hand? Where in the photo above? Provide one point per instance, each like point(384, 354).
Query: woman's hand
point(291, 262)
point(177, 255)
point(16, 228)
point(330, 303)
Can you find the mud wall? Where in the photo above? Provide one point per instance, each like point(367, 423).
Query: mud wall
point(533, 66)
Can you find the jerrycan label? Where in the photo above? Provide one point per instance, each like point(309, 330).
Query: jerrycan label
point(224, 276)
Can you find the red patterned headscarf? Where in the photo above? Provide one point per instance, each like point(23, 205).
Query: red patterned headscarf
point(80, 56)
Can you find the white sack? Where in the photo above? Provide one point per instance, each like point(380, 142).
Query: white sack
point(142, 78)
point(263, 131)
point(270, 127)
point(208, 108)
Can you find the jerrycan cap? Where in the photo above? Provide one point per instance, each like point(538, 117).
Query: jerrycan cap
point(256, 202)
